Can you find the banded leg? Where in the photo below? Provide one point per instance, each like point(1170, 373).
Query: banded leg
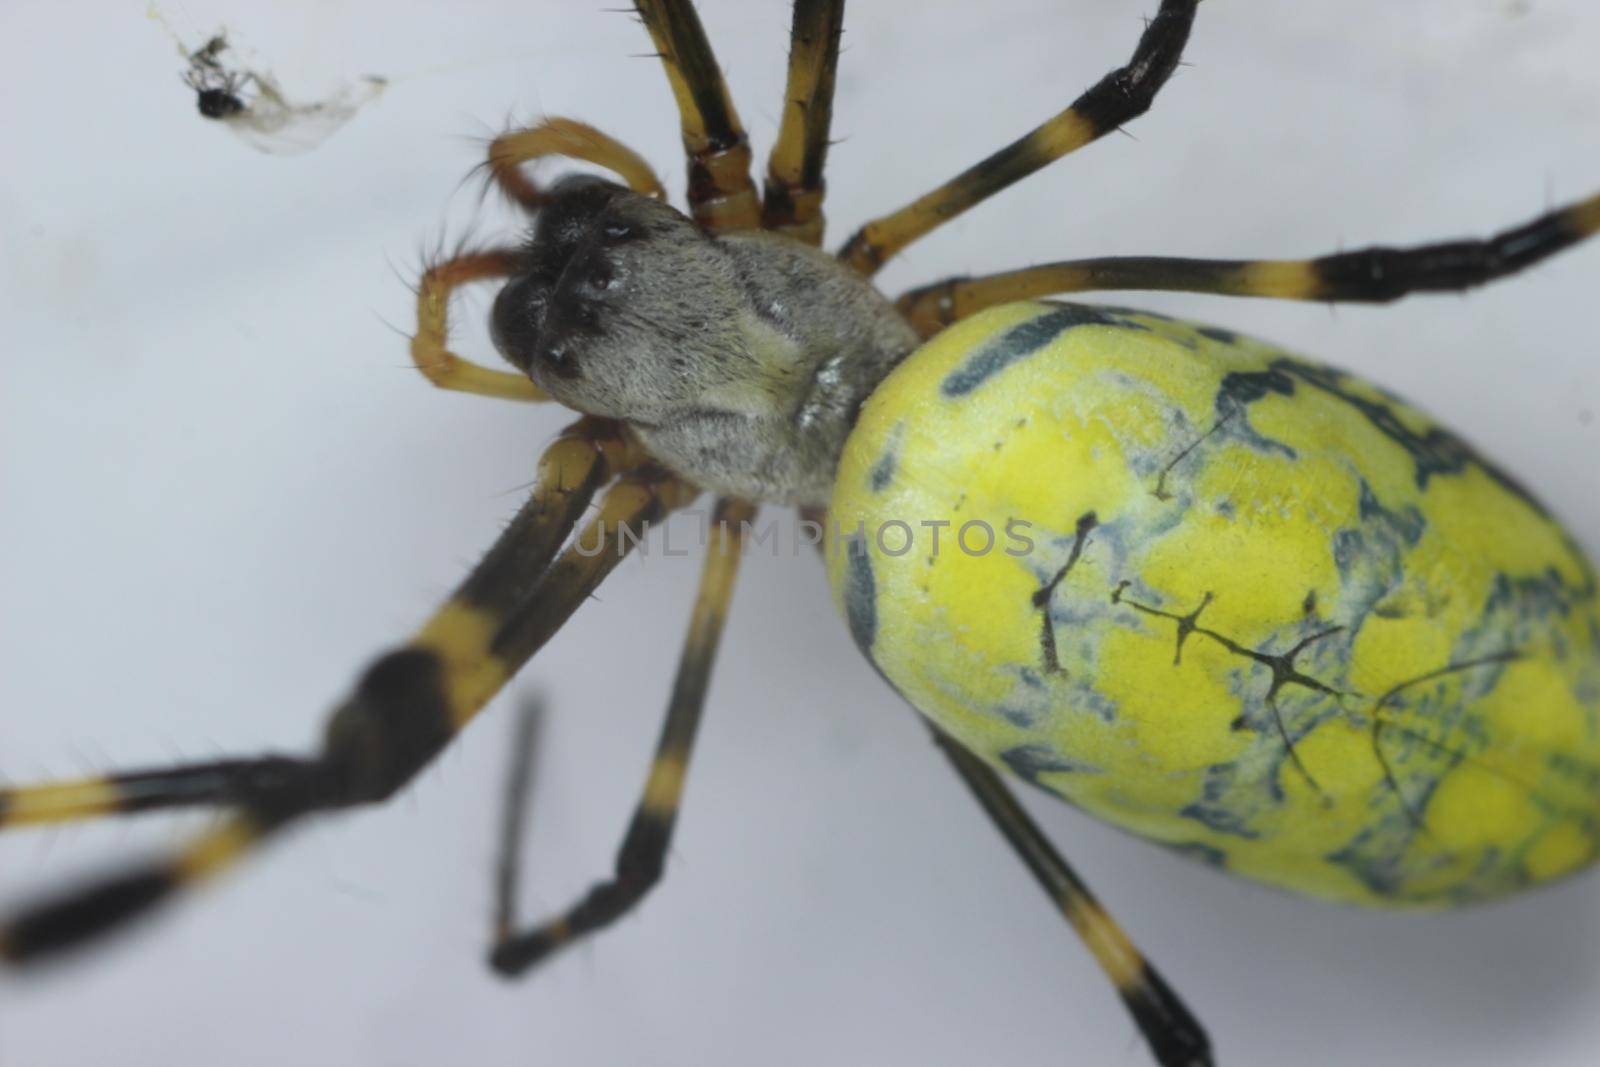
point(573, 140)
point(1119, 97)
point(571, 470)
point(1174, 1035)
point(1367, 275)
point(721, 194)
point(429, 351)
point(406, 707)
point(794, 189)
point(644, 848)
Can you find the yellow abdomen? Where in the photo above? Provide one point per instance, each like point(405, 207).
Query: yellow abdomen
point(1229, 599)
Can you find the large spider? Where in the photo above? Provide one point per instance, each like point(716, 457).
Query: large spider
point(588, 445)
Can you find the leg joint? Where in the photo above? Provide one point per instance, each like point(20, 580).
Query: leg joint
point(397, 721)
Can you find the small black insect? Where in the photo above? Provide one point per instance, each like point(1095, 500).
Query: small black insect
point(216, 88)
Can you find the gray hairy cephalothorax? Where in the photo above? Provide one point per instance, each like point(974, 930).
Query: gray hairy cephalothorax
point(739, 360)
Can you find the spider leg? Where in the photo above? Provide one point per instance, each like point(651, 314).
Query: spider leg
point(644, 848)
point(525, 743)
point(1367, 275)
point(794, 188)
point(406, 707)
point(721, 194)
point(219, 782)
point(1174, 1035)
point(429, 351)
point(1118, 98)
point(574, 140)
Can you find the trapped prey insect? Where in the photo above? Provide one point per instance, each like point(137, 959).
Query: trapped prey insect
point(252, 105)
point(1271, 615)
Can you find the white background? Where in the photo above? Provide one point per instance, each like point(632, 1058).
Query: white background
point(221, 490)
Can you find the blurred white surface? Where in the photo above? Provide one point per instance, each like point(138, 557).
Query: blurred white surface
point(221, 490)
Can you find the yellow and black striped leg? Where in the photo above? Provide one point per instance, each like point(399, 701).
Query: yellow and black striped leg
point(1367, 275)
point(644, 848)
point(721, 194)
point(792, 201)
point(571, 471)
point(1173, 1033)
point(225, 782)
point(1118, 98)
point(570, 139)
point(406, 707)
point(429, 351)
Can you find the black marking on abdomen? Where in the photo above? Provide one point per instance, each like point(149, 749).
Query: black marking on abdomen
point(882, 471)
point(1028, 762)
point(861, 596)
point(1218, 334)
point(1160, 492)
point(1436, 452)
point(1239, 390)
point(1414, 811)
point(1022, 341)
point(1041, 597)
point(1281, 664)
point(1211, 811)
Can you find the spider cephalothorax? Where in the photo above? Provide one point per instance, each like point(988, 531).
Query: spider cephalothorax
point(739, 359)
